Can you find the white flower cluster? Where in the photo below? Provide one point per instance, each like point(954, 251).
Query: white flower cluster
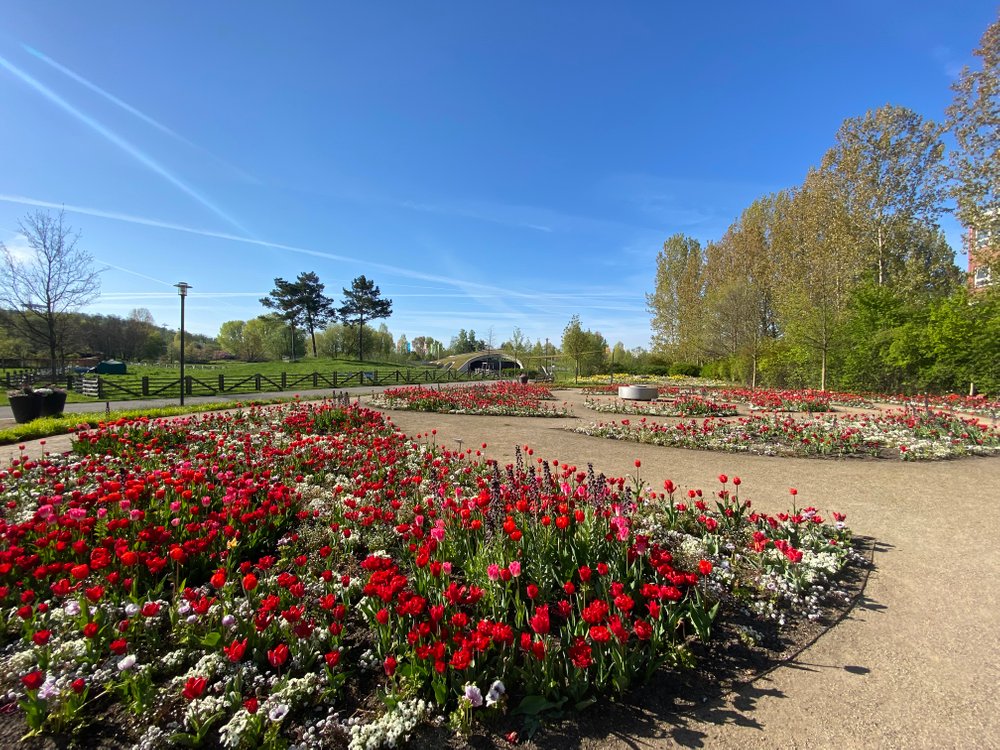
point(173, 660)
point(153, 738)
point(201, 709)
point(294, 691)
point(235, 731)
point(208, 666)
point(749, 636)
point(819, 563)
point(389, 728)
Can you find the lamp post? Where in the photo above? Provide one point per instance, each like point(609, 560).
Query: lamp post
point(182, 290)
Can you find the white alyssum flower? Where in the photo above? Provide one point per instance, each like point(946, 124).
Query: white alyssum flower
point(390, 728)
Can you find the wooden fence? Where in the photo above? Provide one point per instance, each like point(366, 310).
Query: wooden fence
point(126, 388)
point(15, 378)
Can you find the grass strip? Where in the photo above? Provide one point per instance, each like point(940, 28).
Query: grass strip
point(49, 426)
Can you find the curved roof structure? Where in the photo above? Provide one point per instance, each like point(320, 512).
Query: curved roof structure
point(474, 361)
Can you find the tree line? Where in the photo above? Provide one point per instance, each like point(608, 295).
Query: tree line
point(846, 279)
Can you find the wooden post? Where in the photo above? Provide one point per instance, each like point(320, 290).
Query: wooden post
point(145, 385)
point(284, 380)
point(222, 383)
point(334, 378)
point(256, 380)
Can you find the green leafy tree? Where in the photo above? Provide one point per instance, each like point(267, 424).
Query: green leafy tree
point(466, 343)
point(963, 342)
point(588, 349)
point(974, 121)
point(517, 344)
point(301, 303)
point(675, 304)
point(246, 340)
point(363, 302)
point(58, 278)
point(818, 272)
point(885, 170)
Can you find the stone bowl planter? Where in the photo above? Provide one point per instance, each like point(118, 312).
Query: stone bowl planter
point(53, 403)
point(25, 407)
point(637, 392)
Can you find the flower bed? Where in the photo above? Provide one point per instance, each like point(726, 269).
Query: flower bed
point(493, 399)
point(249, 580)
point(909, 436)
point(687, 405)
point(980, 405)
point(772, 400)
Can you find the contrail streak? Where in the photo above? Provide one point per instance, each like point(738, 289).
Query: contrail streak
point(120, 142)
point(470, 286)
point(132, 110)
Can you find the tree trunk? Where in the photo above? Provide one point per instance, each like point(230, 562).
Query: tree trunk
point(52, 344)
point(881, 260)
point(822, 372)
point(361, 330)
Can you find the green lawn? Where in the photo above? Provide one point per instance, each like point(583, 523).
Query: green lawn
point(302, 366)
point(237, 378)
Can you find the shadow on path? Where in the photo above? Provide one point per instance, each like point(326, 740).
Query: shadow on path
point(675, 707)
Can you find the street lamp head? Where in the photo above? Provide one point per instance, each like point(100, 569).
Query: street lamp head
point(182, 288)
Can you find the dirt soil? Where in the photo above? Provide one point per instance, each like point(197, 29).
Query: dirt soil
point(915, 663)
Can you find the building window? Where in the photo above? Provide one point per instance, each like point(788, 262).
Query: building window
point(981, 277)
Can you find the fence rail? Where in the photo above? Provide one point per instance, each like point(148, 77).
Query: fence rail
point(132, 387)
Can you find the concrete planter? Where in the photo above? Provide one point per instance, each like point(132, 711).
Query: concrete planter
point(637, 392)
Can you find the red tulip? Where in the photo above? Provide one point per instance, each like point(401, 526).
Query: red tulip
point(389, 665)
point(278, 655)
point(194, 687)
point(33, 680)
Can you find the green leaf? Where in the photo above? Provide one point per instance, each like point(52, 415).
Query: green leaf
point(532, 705)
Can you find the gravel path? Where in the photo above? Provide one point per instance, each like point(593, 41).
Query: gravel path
point(915, 665)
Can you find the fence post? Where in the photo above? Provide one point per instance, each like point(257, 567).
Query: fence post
point(222, 383)
point(284, 380)
point(256, 381)
point(334, 378)
point(145, 385)
point(100, 387)
point(188, 380)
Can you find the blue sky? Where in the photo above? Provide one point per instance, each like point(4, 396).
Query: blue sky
point(489, 165)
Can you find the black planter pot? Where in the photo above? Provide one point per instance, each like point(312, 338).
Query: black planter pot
point(25, 407)
point(53, 403)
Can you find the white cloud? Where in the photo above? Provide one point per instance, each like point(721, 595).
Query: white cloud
point(19, 249)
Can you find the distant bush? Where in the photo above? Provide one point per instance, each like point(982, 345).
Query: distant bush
point(685, 368)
